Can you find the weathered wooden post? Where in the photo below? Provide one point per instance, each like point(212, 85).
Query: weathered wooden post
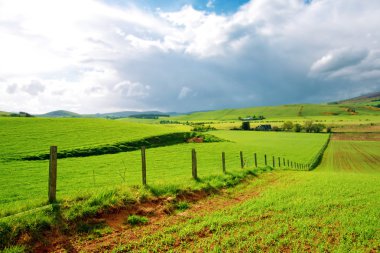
point(241, 159)
point(194, 163)
point(143, 165)
point(53, 174)
point(255, 160)
point(279, 162)
point(265, 158)
point(224, 162)
point(274, 163)
point(284, 161)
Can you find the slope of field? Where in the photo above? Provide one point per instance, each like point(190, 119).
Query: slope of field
point(335, 208)
point(166, 166)
point(283, 111)
point(31, 136)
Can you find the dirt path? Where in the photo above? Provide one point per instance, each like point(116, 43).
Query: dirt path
point(160, 213)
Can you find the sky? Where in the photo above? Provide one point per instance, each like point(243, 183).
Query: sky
point(92, 56)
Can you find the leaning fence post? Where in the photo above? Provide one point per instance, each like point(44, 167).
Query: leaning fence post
point(53, 174)
point(241, 159)
point(143, 165)
point(194, 163)
point(255, 160)
point(224, 162)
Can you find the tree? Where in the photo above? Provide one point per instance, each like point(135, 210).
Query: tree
point(297, 128)
point(245, 125)
point(288, 125)
point(308, 126)
point(317, 128)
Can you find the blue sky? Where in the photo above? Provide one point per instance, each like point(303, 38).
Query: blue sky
point(93, 56)
point(218, 6)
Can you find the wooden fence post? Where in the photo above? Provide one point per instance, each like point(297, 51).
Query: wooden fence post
point(284, 161)
point(274, 163)
point(265, 158)
point(194, 163)
point(143, 165)
point(255, 160)
point(241, 159)
point(224, 162)
point(53, 174)
point(288, 163)
point(279, 162)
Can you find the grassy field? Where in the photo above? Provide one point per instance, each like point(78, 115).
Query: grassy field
point(335, 208)
point(26, 180)
point(283, 112)
point(31, 136)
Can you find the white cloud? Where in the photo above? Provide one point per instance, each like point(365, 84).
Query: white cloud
point(88, 56)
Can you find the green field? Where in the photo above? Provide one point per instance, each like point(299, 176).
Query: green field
point(332, 208)
point(283, 112)
point(335, 208)
point(26, 180)
point(31, 136)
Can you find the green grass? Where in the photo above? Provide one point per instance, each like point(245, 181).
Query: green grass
point(334, 208)
point(299, 111)
point(302, 212)
point(26, 181)
point(32, 136)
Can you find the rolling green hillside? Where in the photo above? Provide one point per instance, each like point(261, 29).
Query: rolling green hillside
point(21, 137)
point(2, 114)
point(283, 111)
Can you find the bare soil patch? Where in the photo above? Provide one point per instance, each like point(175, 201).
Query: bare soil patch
point(160, 212)
point(356, 136)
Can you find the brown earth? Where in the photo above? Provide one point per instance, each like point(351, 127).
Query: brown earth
point(160, 212)
point(356, 136)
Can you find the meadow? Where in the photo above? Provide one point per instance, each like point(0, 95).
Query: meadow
point(284, 112)
point(21, 137)
point(26, 180)
point(334, 208)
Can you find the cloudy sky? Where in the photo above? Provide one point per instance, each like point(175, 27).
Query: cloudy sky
point(93, 56)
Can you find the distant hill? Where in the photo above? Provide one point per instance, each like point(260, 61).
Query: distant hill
point(4, 114)
point(367, 98)
point(112, 115)
point(124, 114)
point(60, 114)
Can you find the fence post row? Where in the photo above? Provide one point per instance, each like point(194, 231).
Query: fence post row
point(224, 162)
point(143, 165)
point(52, 174)
point(194, 163)
point(241, 160)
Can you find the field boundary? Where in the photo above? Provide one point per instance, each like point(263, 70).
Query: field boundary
point(318, 158)
point(149, 142)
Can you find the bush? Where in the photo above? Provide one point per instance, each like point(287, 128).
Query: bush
point(297, 128)
point(287, 126)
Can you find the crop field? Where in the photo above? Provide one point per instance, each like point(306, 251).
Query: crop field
point(30, 136)
point(27, 180)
